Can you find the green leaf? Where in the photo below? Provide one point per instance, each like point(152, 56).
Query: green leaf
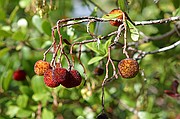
point(107, 44)
point(92, 27)
point(24, 3)
point(22, 101)
point(39, 96)
point(146, 115)
point(177, 12)
point(43, 97)
point(111, 16)
point(46, 27)
point(2, 14)
point(94, 12)
point(123, 5)
point(3, 52)
point(13, 14)
point(7, 77)
point(4, 33)
point(12, 111)
point(22, 113)
point(19, 35)
point(37, 83)
point(37, 22)
point(95, 59)
point(26, 90)
point(134, 31)
point(46, 114)
point(176, 3)
point(97, 48)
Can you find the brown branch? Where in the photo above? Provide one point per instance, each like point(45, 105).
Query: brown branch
point(147, 39)
point(160, 21)
point(125, 37)
point(39, 111)
point(142, 54)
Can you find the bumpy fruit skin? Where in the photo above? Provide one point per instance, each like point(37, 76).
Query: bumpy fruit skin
point(116, 23)
point(128, 68)
point(48, 78)
point(72, 80)
point(60, 75)
point(19, 75)
point(41, 67)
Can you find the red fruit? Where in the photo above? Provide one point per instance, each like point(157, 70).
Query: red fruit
point(60, 74)
point(128, 68)
point(19, 75)
point(41, 67)
point(48, 78)
point(73, 79)
point(116, 11)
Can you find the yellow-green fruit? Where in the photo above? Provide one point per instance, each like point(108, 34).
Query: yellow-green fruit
point(41, 67)
point(128, 68)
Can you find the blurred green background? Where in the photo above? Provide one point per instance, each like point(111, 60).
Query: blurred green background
point(25, 34)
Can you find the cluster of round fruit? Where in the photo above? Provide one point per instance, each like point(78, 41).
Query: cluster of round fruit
point(53, 77)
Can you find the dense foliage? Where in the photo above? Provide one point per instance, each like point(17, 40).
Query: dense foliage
point(25, 34)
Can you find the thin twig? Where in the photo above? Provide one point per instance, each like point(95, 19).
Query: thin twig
point(147, 39)
point(39, 111)
point(160, 21)
point(125, 36)
point(142, 54)
point(120, 28)
point(79, 58)
point(45, 53)
point(164, 49)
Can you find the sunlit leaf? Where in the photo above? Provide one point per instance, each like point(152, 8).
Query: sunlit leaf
point(24, 3)
point(13, 13)
point(26, 90)
point(12, 111)
point(3, 51)
point(37, 22)
point(23, 113)
point(19, 35)
point(46, 27)
point(92, 27)
point(145, 115)
point(107, 44)
point(97, 48)
point(123, 5)
point(133, 31)
point(37, 83)
point(95, 59)
point(4, 33)
point(94, 12)
point(46, 114)
point(24, 99)
point(177, 12)
point(7, 77)
point(43, 97)
point(39, 96)
point(111, 16)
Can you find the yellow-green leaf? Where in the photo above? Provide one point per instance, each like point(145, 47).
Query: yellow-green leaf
point(111, 16)
point(134, 31)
